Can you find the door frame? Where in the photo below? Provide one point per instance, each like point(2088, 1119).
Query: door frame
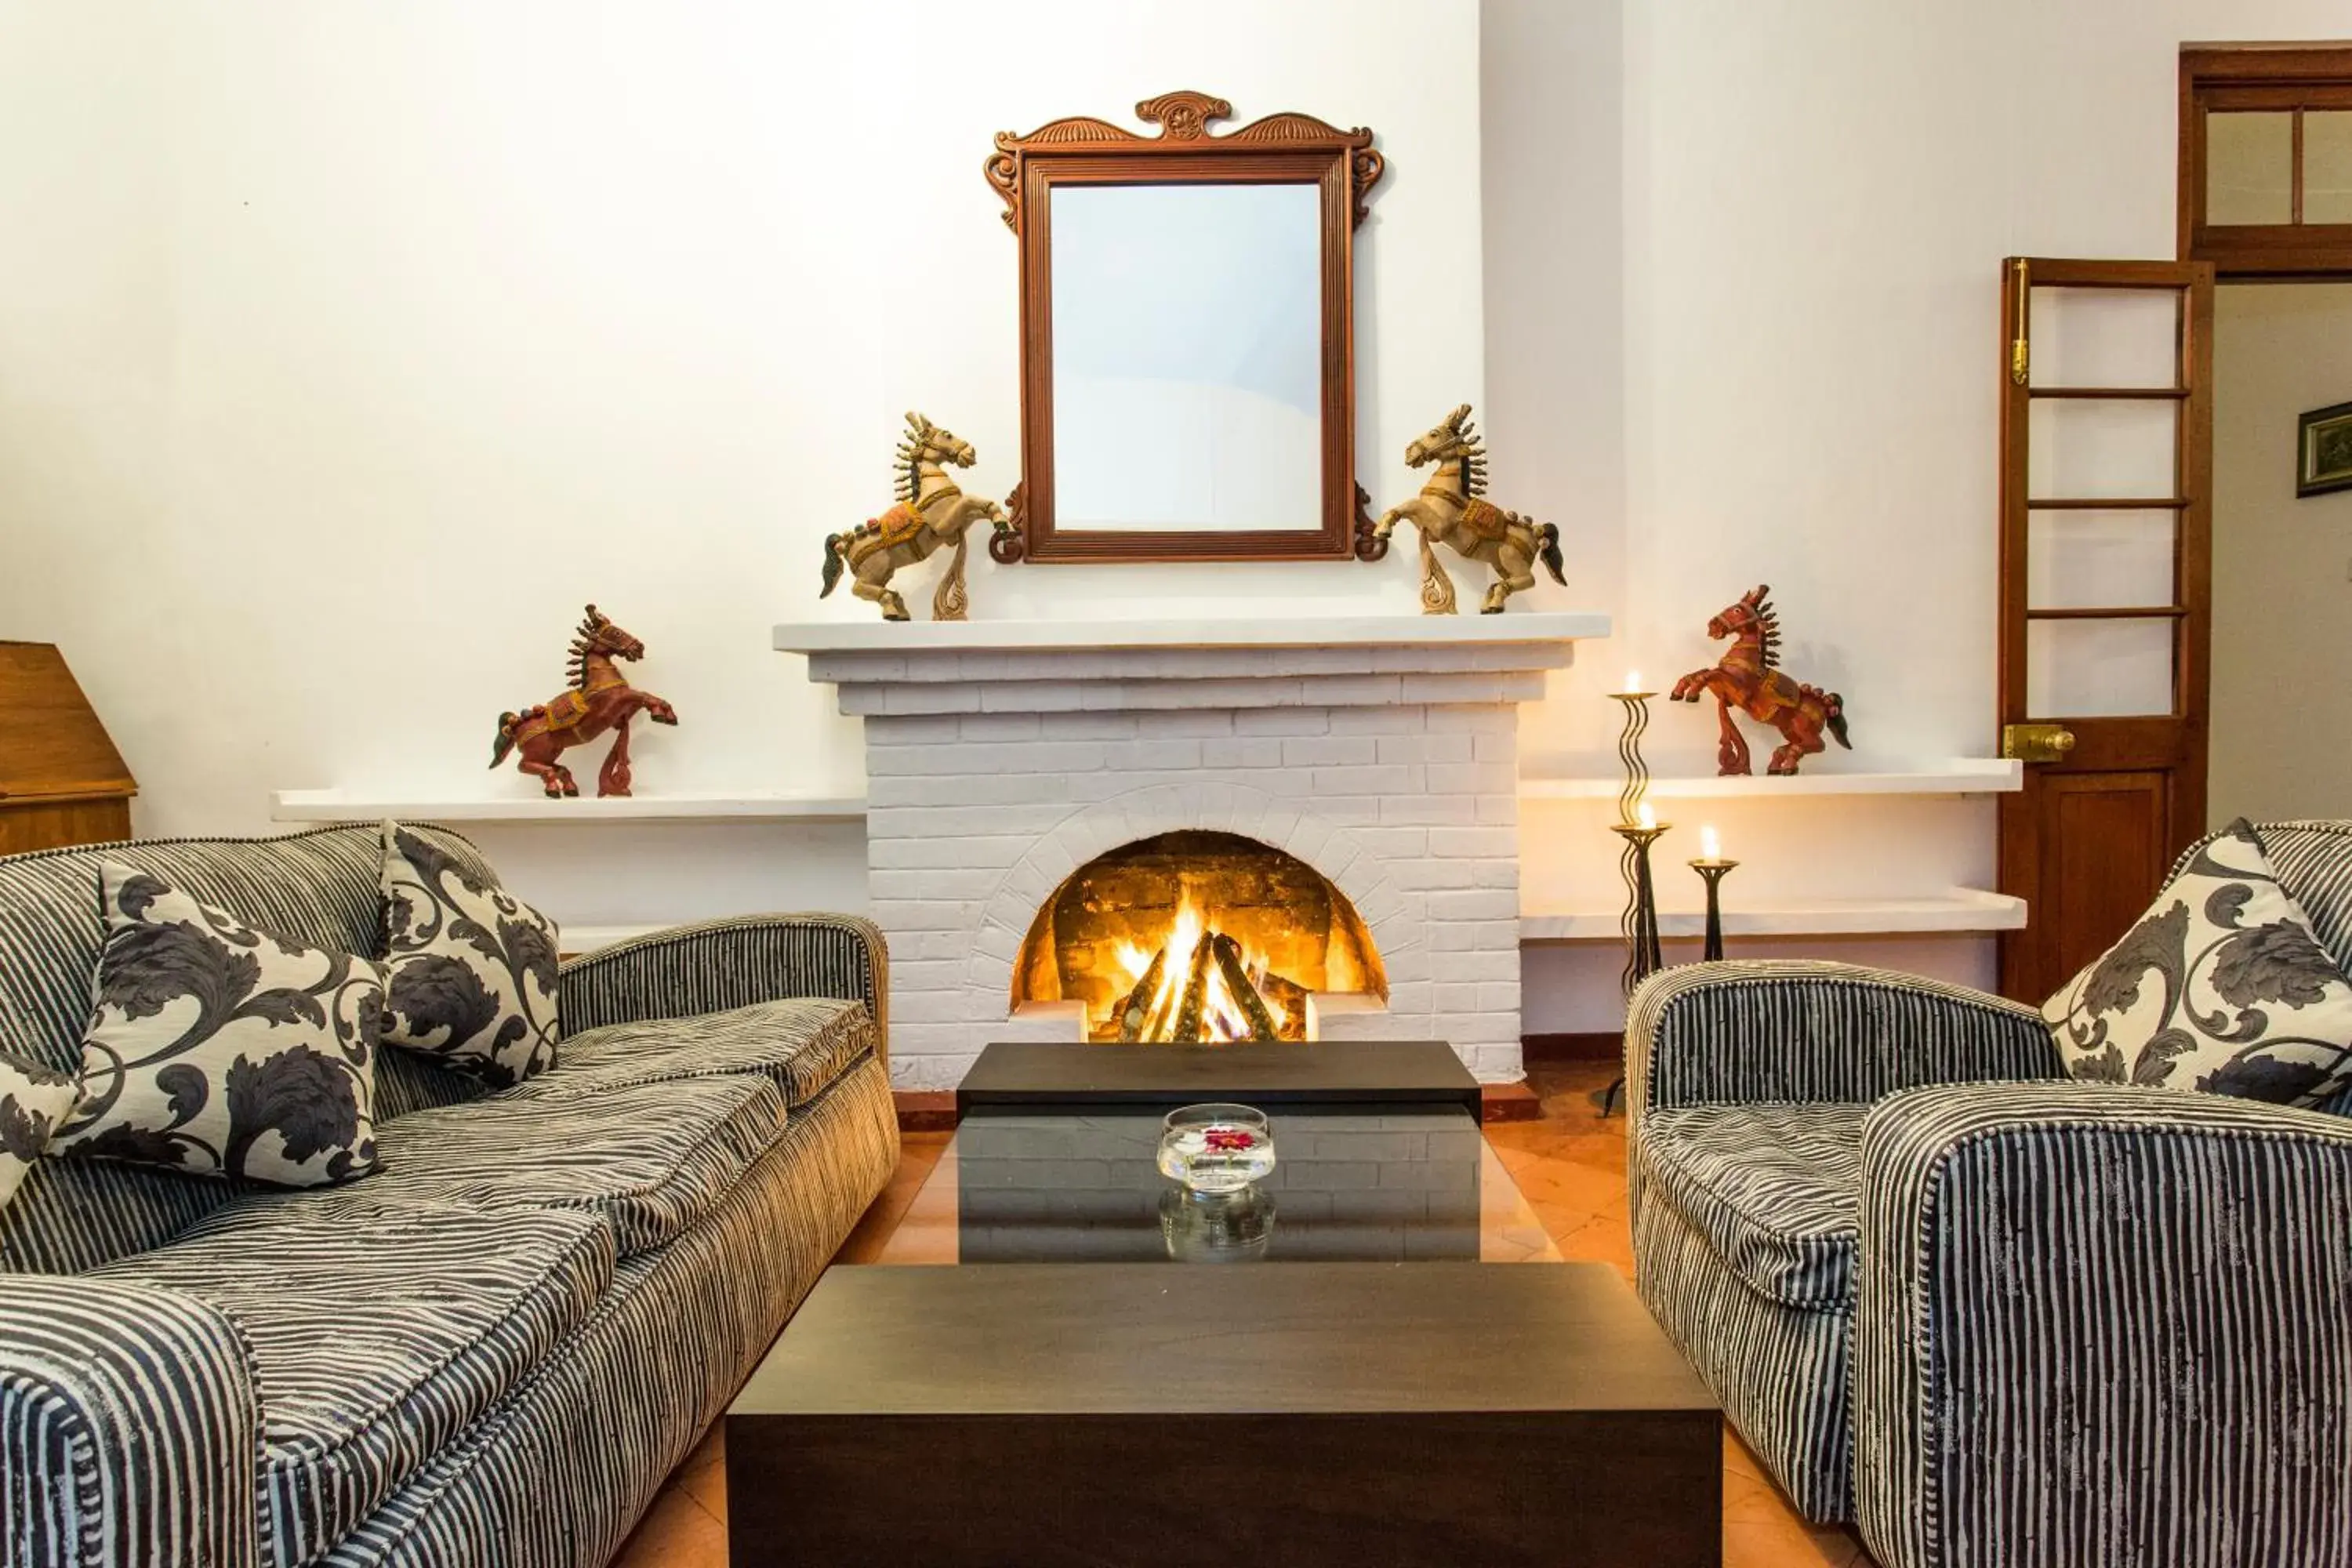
point(2258, 75)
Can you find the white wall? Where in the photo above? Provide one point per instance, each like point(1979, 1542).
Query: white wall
point(2282, 567)
point(1814, 202)
point(359, 345)
point(346, 350)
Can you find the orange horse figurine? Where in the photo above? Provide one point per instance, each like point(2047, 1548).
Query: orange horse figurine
point(600, 698)
point(1749, 678)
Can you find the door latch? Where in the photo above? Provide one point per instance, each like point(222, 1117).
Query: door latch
point(2036, 743)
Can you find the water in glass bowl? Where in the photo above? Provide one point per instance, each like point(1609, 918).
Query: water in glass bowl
point(1217, 1148)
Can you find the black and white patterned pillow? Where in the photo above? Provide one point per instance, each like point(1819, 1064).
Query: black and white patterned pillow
point(2222, 986)
point(469, 969)
point(222, 1050)
point(33, 1101)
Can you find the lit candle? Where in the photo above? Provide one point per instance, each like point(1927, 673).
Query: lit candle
point(1647, 818)
point(1632, 683)
point(1709, 847)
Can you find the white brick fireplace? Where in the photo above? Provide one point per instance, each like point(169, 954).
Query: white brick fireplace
point(1381, 751)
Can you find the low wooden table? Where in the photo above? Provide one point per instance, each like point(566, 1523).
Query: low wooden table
point(1350, 1413)
point(1293, 1411)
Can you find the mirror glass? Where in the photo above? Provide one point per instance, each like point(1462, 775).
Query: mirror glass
point(1187, 344)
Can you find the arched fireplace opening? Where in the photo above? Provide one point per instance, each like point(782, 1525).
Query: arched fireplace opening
point(1197, 936)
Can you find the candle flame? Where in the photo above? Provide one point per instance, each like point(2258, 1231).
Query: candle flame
point(1648, 818)
point(1709, 847)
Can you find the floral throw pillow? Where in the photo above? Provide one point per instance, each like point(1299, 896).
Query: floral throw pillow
point(33, 1101)
point(2221, 987)
point(222, 1050)
point(469, 968)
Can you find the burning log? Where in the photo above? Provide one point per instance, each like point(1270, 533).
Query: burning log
point(1187, 1029)
point(1137, 1010)
point(1237, 982)
point(1291, 997)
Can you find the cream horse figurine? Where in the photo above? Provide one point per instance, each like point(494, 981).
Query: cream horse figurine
point(1451, 508)
point(930, 512)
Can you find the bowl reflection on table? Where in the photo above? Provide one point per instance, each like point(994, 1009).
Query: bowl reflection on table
point(1216, 1228)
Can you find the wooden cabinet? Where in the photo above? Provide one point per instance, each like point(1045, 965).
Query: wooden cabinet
point(61, 780)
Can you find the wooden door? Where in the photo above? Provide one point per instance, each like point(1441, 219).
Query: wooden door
point(2106, 435)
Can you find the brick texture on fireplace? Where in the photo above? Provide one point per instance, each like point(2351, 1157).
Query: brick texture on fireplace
point(1391, 769)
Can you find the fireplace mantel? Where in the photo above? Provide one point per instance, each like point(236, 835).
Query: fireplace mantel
point(1057, 666)
point(1187, 632)
point(1001, 756)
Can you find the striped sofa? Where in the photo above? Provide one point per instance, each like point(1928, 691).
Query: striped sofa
point(491, 1351)
point(1993, 1315)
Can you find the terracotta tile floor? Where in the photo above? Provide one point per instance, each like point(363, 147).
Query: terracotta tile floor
point(1570, 1164)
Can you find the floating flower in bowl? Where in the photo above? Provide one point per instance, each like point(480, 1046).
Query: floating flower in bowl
point(1215, 1148)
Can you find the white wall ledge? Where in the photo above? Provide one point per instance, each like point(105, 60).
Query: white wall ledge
point(340, 805)
point(1941, 775)
point(1958, 910)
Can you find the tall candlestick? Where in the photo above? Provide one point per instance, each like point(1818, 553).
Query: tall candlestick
point(1643, 957)
point(1634, 810)
point(1640, 827)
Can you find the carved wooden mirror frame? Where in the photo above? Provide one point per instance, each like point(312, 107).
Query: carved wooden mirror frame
point(1280, 149)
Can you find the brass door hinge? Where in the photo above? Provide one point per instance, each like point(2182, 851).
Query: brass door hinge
point(2036, 743)
point(2020, 347)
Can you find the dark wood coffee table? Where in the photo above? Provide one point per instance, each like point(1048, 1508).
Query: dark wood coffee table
point(1294, 1411)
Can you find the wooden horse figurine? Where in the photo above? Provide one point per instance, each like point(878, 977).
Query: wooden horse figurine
point(1749, 678)
point(932, 513)
point(600, 698)
point(1450, 510)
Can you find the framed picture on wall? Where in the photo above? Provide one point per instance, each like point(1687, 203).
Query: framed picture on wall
point(2322, 450)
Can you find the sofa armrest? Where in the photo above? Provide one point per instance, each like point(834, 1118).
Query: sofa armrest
point(1796, 1029)
point(130, 1428)
point(720, 965)
point(2092, 1317)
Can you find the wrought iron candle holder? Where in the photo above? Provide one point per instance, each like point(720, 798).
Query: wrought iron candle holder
point(1632, 864)
point(1633, 824)
point(1712, 871)
point(1642, 958)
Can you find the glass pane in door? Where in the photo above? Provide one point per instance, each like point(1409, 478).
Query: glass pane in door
point(2250, 166)
point(2099, 560)
point(2327, 165)
point(2090, 450)
point(2094, 669)
point(2106, 337)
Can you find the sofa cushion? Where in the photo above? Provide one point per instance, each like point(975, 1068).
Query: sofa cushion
point(652, 1159)
point(1775, 1188)
point(33, 1101)
point(323, 885)
point(469, 968)
point(378, 1334)
point(804, 1043)
point(222, 1048)
point(2222, 986)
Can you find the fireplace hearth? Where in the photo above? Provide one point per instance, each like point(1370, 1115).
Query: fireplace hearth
point(1197, 936)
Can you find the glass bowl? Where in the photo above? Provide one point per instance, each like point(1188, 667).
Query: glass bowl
point(1215, 1148)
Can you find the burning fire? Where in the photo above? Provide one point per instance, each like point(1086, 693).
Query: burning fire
point(1202, 984)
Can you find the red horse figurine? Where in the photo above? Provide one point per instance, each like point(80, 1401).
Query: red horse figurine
point(599, 699)
point(1749, 680)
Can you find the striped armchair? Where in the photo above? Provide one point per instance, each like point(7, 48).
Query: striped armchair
point(1990, 1314)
